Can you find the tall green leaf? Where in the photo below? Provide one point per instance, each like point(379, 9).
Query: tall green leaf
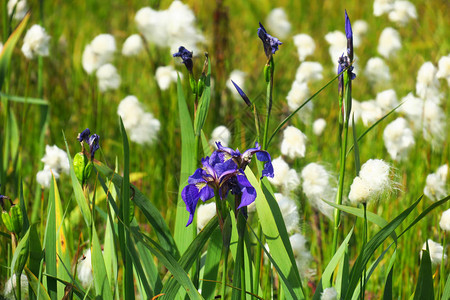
point(101, 283)
point(203, 106)
point(424, 287)
point(50, 244)
point(184, 235)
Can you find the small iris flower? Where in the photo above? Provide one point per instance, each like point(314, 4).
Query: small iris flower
point(221, 173)
point(186, 56)
point(349, 35)
point(270, 43)
point(242, 94)
point(92, 141)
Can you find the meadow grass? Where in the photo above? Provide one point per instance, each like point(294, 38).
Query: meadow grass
point(75, 103)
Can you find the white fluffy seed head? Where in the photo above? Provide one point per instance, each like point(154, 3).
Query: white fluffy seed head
point(319, 126)
point(359, 28)
point(278, 23)
point(205, 213)
point(398, 139)
point(220, 134)
point(389, 43)
point(402, 12)
point(284, 177)
point(329, 294)
point(9, 291)
point(436, 184)
point(44, 177)
point(294, 143)
point(99, 52)
point(20, 7)
point(369, 112)
point(84, 269)
point(133, 45)
point(373, 181)
point(445, 221)
point(338, 44)
point(381, 7)
point(436, 251)
point(377, 71)
point(165, 76)
point(444, 68)
point(427, 83)
point(142, 127)
point(108, 78)
point(303, 257)
point(318, 186)
point(298, 94)
point(305, 45)
point(309, 71)
point(36, 42)
point(56, 159)
point(289, 211)
point(387, 100)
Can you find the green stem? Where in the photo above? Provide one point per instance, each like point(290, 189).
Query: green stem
point(241, 228)
point(270, 65)
point(363, 279)
point(258, 253)
point(18, 287)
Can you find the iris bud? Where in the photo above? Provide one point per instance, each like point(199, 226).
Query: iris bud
point(23, 257)
point(82, 167)
point(201, 85)
point(6, 218)
point(193, 84)
point(16, 218)
point(267, 71)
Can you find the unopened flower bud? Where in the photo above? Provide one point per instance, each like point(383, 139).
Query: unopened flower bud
point(82, 167)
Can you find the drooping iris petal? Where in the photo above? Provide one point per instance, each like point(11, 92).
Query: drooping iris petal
point(268, 168)
point(93, 144)
point(270, 43)
point(197, 176)
point(186, 56)
point(192, 193)
point(84, 135)
point(248, 192)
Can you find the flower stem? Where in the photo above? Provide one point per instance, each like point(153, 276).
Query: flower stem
point(225, 270)
point(270, 66)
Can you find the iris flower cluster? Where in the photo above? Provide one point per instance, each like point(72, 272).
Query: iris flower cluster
point(221, 173)
point(91, 140)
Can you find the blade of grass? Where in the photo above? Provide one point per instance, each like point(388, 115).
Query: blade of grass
point(50, 243)
point(27, 100)
point(424, 287)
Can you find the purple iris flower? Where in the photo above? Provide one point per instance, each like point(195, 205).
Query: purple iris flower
point(221, 173)
point(242, 160)
point(344, 62)
point(92, 141)
point(349, 35)
point(186, 56)
point(84, 135)
point(243, 95)
point(270, 43)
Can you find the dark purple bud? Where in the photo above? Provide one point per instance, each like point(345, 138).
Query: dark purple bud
point(243, 95)
point(270, 43)
point(186, 56)
point(349, 34)
point(93, 144)
point(84, 135)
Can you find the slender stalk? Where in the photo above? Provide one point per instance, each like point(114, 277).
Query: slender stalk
point(363, 279)
point(18, 287)
point(241, 228)
point(270, 65)
point(258, 262)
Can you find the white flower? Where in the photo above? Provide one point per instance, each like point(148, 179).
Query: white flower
point(99, 52)
point(11, 284)
point(220, 134)
point(444, 68)
point(284, 177)
point(294, 143)
point(305, 45)
point(1, 47)
point(434, 123)
point(205, 213)
point(84, 269)
point(387, 100)
point(338, 44)
point(133, 45)
point(309, 71)
point(398, 139)
point(359, 28)
point(278, 23)
point(436, 184)
point(108, 78)
point(329, 294)
point(381, 7)
point(373, 180)
point(436, 251)
point(317, 186)
point(427, 84)
point(142, 126)
point(402, 12)
point(377, 71)
point(44, 177)
point(303, 257)
point(35, 42)
point(56, 159)
point(20, 6)
point(389, 42)
point(413, 108)
point(238, 77)
point(369, 112)
point(165, 76)
point(319, 126)
point(298, 94)
point(445, 220)
point(289, 211)
point(170, 28)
